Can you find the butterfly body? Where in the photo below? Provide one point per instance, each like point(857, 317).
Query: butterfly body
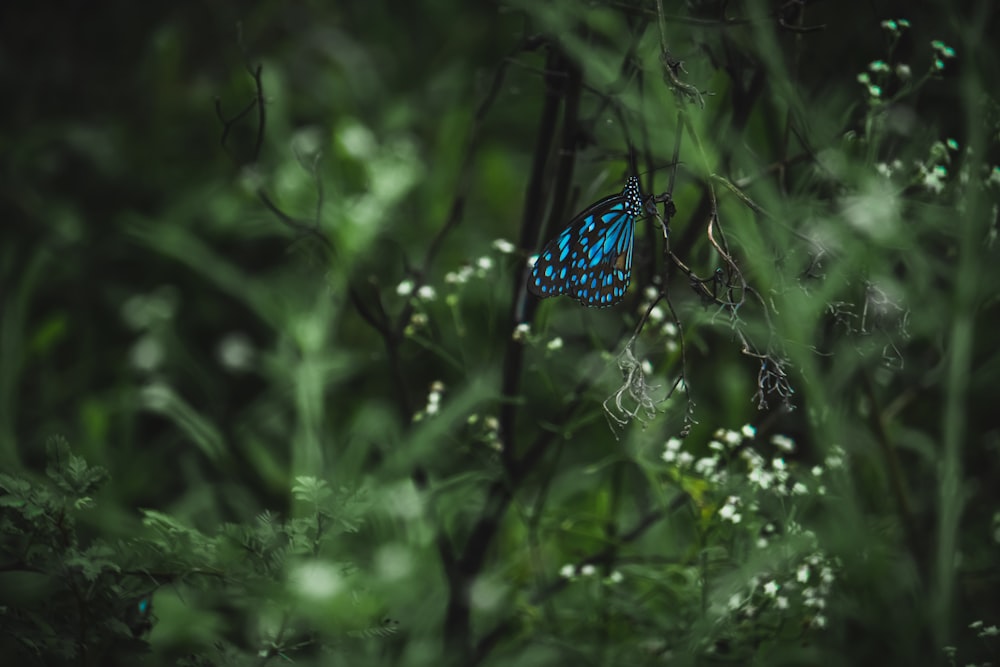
point(591, 260)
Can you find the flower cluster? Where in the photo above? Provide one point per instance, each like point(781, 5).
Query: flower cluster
point(798, 577)
point(433, 401)
point(422, 294)
point(572, 572)
point(488, 430)
point(801, 586)
point(660, 317)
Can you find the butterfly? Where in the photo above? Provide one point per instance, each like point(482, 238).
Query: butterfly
point(591, 260)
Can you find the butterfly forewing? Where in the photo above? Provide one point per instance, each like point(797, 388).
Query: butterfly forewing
point(591, 260)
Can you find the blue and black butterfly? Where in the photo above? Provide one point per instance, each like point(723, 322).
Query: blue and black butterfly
point(591, 260)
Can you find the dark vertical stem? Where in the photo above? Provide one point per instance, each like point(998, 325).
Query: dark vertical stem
point(561, 81)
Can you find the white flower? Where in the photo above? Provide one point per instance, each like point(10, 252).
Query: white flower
point(434, 398)
point(567, 571)
point(404, 288)
point(753, 459)
point(802, 574)
point(783, 443)
point(811, 598)
point(458, 277)
point(236, 352)
point(706, 465)
point(729, 510)
point(504, 246)
point(991, 631)
point(484, 263)
point(934, 179)
point(836, 457)
point(771, 588)
point(588, 570)
point(781, 602)
point(762, 478)
point(147, 354)
point(748, 431)
point(555, 344)
point(426, 292)
point(732, 438)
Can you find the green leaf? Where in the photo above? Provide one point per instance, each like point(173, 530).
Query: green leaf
point(311, 490)
point(93, 562)
point(162, 522)
point(14, 485)
point(11, 501)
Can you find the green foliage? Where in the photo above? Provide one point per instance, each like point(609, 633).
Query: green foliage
point(67, 598)
point(73, 598)
point(316, 419)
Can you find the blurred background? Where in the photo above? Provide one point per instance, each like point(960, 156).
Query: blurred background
point(272, 389)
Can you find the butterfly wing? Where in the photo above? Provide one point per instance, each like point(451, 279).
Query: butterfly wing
point(591, 260)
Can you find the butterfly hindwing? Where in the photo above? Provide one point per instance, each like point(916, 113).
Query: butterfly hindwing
point(591, 260)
